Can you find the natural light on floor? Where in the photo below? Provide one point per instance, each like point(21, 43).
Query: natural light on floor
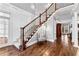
point(65, 39)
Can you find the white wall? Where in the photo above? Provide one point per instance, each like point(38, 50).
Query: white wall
point(18, 18)
point(51, 29)
point(48, 29)
point(38, 36)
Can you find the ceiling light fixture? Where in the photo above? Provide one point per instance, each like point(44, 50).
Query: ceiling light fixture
point(33, 6)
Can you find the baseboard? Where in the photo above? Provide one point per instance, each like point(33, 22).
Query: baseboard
point(4, 45)
point(51, 40)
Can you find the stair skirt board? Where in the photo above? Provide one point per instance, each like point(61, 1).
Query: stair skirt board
point(17, 45)
point(31, 43)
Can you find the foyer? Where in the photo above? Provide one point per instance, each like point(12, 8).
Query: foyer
point(47, 29)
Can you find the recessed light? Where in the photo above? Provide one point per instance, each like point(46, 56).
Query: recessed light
point(33, 6)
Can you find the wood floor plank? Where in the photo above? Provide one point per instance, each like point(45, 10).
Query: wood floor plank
point(41, 49)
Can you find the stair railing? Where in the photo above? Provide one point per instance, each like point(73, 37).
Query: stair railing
point(36, 23)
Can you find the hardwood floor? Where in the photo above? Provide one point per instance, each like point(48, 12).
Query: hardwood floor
point(8, 51)
point(41, 49)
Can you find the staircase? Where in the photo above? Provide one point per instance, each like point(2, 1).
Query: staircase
point(31, 28)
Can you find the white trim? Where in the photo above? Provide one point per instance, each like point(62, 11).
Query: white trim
point(31, 43)
point(76, 46)
point(4, 45)
point(51, 40)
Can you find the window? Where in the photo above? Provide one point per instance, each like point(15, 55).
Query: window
point(65, 28)
point(4, 25)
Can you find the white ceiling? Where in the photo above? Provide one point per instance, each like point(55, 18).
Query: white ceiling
point(64, 14)
point(31, 7)
point(61, 5)
point(61, 14)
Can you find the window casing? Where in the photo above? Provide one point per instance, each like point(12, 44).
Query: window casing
point(4, 24)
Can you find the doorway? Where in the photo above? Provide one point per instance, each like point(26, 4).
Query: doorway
point(58, 33)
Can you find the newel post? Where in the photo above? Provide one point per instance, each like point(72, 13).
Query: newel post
point(22, 46)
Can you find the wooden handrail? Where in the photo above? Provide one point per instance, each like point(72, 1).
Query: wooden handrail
point(38, 16)
point(22, 28)
point(47, 9)
point(47, 15)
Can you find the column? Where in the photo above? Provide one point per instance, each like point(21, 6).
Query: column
point(75, 30)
